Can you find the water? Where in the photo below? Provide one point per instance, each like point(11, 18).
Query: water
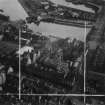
point(60, 30)
point(13, 9)
point(16, 11)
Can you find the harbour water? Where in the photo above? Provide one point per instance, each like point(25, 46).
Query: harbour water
point(16, 11)
point(60, 30)
point(13, 9)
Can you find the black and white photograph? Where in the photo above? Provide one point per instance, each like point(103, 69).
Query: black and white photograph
point(95, 100)
point(52, 50)
point(42, 100)
point(95, 51)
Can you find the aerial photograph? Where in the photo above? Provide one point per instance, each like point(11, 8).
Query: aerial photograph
point(100, 100)
point(52, 52)
point(95, 51)
point(42, 100)
point(51, 100)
